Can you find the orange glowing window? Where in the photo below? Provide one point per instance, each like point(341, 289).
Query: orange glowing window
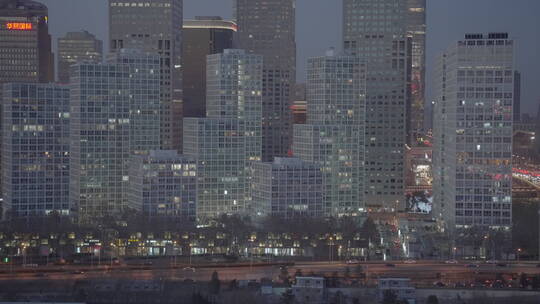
point(20, 26)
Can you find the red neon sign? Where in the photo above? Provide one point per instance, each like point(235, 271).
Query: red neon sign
point(19, 26)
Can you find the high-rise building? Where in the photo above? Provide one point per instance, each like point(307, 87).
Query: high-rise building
point(77, 47)
point(416, 30)
point(376, 31)
point(202, 36)
point(287, 188)
point(163, 184)
point(333, 137)
point(115, 114)
point(155, 26)
point(25, 43)
point(267, 27)
point(234, 90)
point(219, 147)
point(517, 97)
point(230, 136)
point(473, 134)
point(35, 149)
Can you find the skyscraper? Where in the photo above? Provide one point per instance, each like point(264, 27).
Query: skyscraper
point(77, 47)
point(234, 90)
point(473, 134)
point(202, 36)
point(267, 27)
point(230, 137)
point(24, 27)
point(25, 44)
point(35, 146)
point(155, 26)
point(416, 30)
point(115, 114)
point(376, 31)
point(333, 137)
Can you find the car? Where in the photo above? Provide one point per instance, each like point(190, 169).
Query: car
point(77, 272)
point(148, 263)
point(472, 266)
point(451, 262)
point(41, 275)
point(353, 261)
point(439, 284)
point(409, 261)
point(502, 265)
point(492, 262)
point(188, 269)
point(390, 265)
point(537, 265)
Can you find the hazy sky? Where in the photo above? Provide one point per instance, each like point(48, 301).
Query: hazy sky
point(319, 27)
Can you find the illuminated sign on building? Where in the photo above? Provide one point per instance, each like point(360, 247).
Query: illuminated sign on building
point(19, 26)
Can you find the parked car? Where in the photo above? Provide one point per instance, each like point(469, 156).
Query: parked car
point(353, 261)
point(451, 262)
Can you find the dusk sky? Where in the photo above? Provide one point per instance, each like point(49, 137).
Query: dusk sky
point(319, 27)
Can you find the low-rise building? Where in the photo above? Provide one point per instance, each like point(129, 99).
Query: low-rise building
point(310, 290)
point(401, 287)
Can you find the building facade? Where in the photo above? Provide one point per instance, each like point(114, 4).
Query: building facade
point(473, 137)
point(333, 136)
point(202, 36)
point(234, 91)
point(134, 25)
point(517, 97)
point(163, 184)
point(230, 136)
point(376, 31)
point(267, 27)
point(115, 114)
point(35, 149)
point(25, 44)
point(218, 146)
point(416, 30)
point(287, 188)
point(77, 47)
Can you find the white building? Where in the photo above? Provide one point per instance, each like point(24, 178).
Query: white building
point(115, 110)
point(230, 136)
point(163, 184)
point(35, 149)
point(219, 148)
point(155, 26)
point(333, 137)
point(473, 134)
point(287, 188)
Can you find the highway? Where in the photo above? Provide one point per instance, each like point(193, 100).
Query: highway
point(422, 271)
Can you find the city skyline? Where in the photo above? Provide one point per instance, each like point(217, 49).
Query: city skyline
point(518, 20)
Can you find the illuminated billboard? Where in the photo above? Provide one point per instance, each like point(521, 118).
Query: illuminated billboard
point(19, 26)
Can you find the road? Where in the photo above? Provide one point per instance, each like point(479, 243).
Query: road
point(420, 272)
